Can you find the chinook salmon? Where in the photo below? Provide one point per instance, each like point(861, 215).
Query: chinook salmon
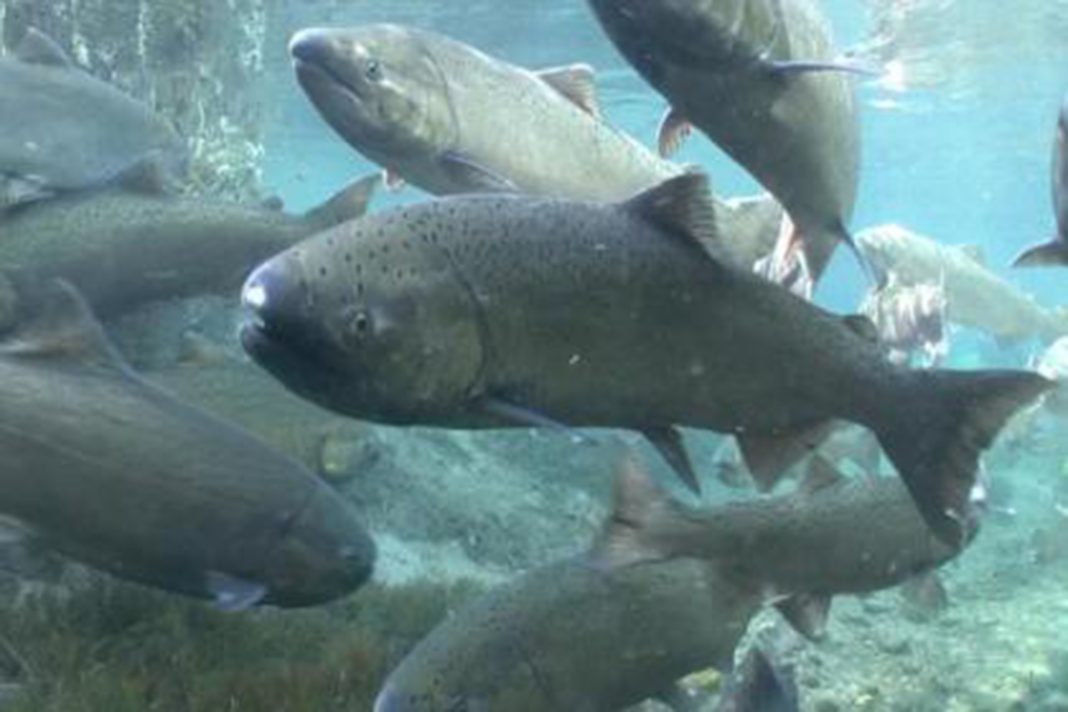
point(496, 311)
point(771, 542)
point(975, 295)
point(62, 130)
point(449, 119)
point(124, 477)
point(1054, 252)
point(597, 633)
point(759, 79)
point(123, 249)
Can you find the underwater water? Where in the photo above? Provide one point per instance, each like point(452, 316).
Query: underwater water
point(227, 495)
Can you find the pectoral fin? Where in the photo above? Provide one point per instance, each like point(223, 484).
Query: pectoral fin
point(789, 67)
point(233, 594)
point(673, 132)
point(468, 172)
point(393, 180)
point(529, 417)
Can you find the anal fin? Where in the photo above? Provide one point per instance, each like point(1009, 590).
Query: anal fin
point(669, 443)
point(769, 456)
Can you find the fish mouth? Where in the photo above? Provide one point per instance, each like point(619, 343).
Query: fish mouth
point(311, 73)
point(313, 56)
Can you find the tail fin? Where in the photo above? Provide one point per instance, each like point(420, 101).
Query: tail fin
point(942, 422)
point(639, 508)
point(1048, 254)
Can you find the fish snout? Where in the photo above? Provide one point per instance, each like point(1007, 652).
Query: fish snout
point(276, 294)
point(311, 45)
point(391, 700)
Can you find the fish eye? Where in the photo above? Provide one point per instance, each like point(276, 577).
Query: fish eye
point(373, 70)
point(360, 324)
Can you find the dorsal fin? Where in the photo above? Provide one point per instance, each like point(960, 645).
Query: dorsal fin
point(347, 204)
point(682, 206)
point(820, 475)
point(57, 324)
point(38, 48)
point(575, 82)
point(973, 252)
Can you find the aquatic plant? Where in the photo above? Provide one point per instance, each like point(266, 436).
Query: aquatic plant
point(114, 646)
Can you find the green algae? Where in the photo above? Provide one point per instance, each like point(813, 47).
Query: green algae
point(118, 647)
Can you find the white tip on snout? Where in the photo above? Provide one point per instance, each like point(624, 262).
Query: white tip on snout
point(301, 36)
point(254, 296)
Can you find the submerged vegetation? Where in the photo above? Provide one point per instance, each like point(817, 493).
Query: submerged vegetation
point(119, 647)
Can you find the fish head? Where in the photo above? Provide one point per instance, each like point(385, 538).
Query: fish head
point(378, 86)
point(323, 553)
point(881, 248)
point(376, 327)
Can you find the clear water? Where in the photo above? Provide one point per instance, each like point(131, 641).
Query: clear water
point(960, 152)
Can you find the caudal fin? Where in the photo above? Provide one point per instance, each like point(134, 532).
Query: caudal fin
point(1048, 254)
point(939, 425)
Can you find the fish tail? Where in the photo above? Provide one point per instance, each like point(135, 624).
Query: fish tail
point(1048, 254)
point(940, 423)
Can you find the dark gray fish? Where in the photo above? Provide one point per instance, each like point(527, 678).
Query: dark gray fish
point(1055, 252)
point(436, 314)
point(62, 130)
point(122, 476)
point(790, 546)
point(123, 249)
point(570, 636)
point(471, 311)
point(759, 78)
point(595, 633)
